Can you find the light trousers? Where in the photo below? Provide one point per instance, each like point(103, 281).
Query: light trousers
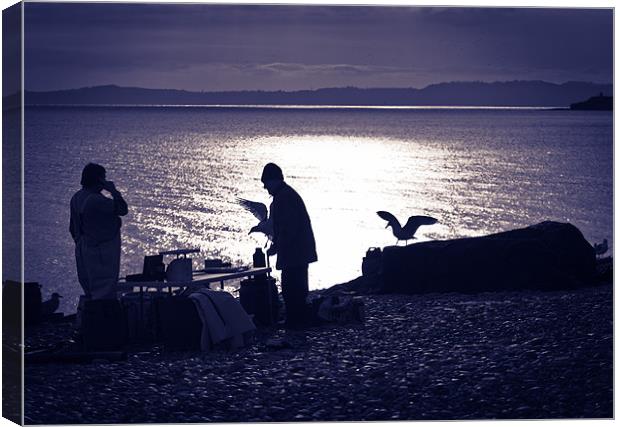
point(98, 266)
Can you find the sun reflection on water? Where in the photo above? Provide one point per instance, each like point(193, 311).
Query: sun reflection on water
point(344, 181)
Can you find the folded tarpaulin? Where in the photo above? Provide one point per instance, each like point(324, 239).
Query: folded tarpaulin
point(222, 318)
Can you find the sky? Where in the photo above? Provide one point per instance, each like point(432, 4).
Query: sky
point(202, 47)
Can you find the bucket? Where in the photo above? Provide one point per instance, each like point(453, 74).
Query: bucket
point(141, 318)
point(259, 296)
point(179, 270)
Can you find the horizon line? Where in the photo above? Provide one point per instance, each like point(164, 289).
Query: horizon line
point(112, 85)
point(304, 107)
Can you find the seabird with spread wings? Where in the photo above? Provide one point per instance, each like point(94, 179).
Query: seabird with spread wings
point(259, 210)
point(407, 232)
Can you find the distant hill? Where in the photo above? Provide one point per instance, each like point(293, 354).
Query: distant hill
point(514, 93)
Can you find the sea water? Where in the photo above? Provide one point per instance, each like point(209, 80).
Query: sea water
point(477, 171)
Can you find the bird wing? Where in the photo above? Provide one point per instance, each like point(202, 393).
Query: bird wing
point(415, 221)
point(265, 227)
point(391, 219)
point(259, 210)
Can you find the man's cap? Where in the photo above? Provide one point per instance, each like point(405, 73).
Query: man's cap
point(271, 171)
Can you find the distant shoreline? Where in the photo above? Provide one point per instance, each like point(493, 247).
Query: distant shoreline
point(502, 95)
point(302, 107)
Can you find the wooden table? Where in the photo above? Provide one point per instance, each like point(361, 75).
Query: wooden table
point(199, 278)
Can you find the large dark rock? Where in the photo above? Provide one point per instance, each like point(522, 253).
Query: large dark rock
point(545, 256)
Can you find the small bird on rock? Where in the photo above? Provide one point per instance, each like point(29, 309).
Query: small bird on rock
point(50, 306)
point(407, 232)
point(600, 248)
point(259, 210)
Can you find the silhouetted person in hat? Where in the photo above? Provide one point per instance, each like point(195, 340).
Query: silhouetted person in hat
point(293, 242)
point(95, 227)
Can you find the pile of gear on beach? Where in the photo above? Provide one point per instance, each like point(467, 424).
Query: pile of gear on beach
point(192, 318)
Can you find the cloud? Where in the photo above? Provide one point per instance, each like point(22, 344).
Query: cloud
point(281, 67)
point(292, 68)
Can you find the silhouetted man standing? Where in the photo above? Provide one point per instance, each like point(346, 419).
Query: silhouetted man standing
point(95, 227)
point(293, 242)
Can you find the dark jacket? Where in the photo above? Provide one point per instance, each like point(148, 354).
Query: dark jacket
point(95, 216)
point(293, 238)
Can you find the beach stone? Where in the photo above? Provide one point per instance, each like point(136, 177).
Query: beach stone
point(451, 356)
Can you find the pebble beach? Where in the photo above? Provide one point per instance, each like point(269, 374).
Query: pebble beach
point(495, 355)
